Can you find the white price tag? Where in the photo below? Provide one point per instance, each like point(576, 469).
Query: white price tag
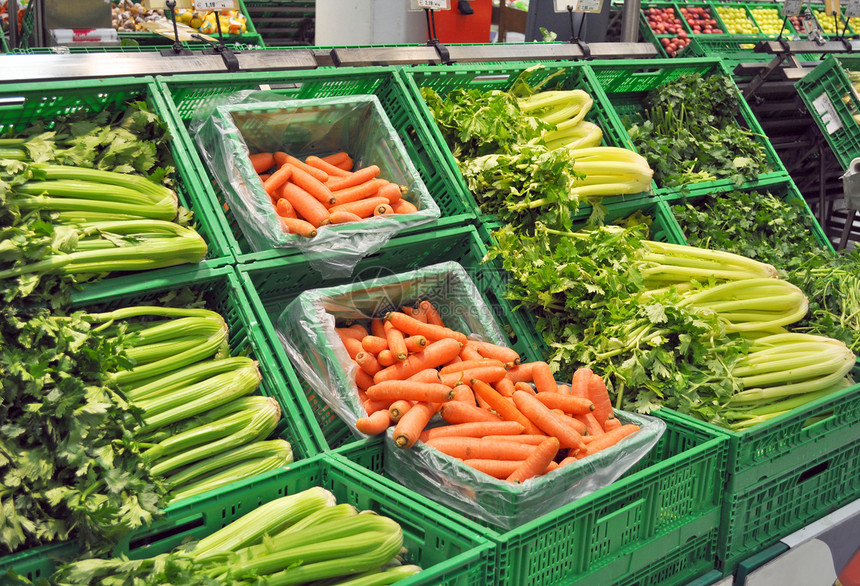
point(430, 4)
point(792, 7)
point(852, 9)
point(828, 114)
point(215, 5)
point(578, 5)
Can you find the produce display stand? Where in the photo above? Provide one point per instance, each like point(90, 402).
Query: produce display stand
point(702, 502)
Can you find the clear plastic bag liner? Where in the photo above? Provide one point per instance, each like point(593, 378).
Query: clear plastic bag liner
point(306, 327)
point(246, 122)
point(507, 505)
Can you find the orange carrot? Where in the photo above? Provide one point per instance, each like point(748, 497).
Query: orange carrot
point(325, 166)
point(543, 378)
point(466, 364)
point(357, 177)
point(391, 192)
point(544, 419)
point(464, 393)
point(401, 206)
point(377, 328)
point(414, 312)
point(373, 424)
point(431, 312)
point(277, 179)
point(473, 447)
point(398, 408)
point(352, 345)
point(462, 412)
point(566, 461)
point(346, 164)
point(599, 395)
point(413, 327)
point(350, 332)
point(262, 161)
point(363, 207)
point(525, 387)
point(453, 361)
point(383, 210)
point(469, 353)
point(396, 341)
point(412, 423)
point(564, 389)
point(428, 375)
point(481, 402)
point(567, 403)
point(505, 387)
point(341, 217)
point(284, 208)
point(487, 374)
point(282, 158)
point(434, 355)
point(537, 461)
point(312, 185)
point(591, 424)
point(374, 344)
point(335, 158)
point(367, 362)
point(415, 343)
point(296, 226)
point(475, 429)
point(500, 469)
point(386, 358)
point(501, 405)
point(576, 424)
point(363, 380)
point(611, 423)
point(305, 204)
point(360, 331)
point(521, 373)
point(359, 192)
point(581, 380)
point(610, 438)
point(371, 406)
point(505, 355)
point(395, 390)
point(523, 438)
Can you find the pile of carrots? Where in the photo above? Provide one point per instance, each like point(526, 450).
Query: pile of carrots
point(325, 190)
point(509, 420)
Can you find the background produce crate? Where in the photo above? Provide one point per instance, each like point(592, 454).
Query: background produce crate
point(626, 83)
point(283, 23)
point(655, 525)
point(787, 472)
point(783, 188)
point(46, 101)
point(652, 36)
point(501, 77)
point(831, 101)
point(271, 285)
point(132, 47)
point(221, 292)
point(734, 50)
point(448, 554)
point(187, 95)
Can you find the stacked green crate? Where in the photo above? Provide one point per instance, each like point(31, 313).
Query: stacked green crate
point(219, 290)
point(283, 23)
point(486, 77)
point(44, 102)
point(188, 95)
point(448, 554)
point(625, 85)
point(832, 101)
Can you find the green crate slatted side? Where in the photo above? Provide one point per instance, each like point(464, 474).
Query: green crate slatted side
point(666, 508)
point(783, 188)
point(271, 285)
point(188, 94)
point(786, 502)
point(448, 554)
point(626, 83)
point(283, 22)
point(829, 82)
point(47, 101)
point(501, 77)
point(221, 292)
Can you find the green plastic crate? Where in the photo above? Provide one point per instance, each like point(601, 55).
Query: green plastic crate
point(271, 285)
point(186, 95)
point(45, 101)
point(783, 188)
point(449, 554)
point(824, 91)
point(733, 51)
point(652, 36)
point(251, 37)
point(626, 83)
point(657, 524)
point(501, 77)
point(283, 22)
point(221, 292)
